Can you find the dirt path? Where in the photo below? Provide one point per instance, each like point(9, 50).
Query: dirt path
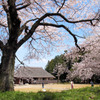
point(48, 87)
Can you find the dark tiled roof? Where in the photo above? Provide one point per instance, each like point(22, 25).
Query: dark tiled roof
point(30, 72)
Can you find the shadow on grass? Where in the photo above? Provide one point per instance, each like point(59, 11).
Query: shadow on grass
point(74, 94)
point(45, 96)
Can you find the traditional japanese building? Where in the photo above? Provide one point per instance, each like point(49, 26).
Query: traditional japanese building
point(33, 75)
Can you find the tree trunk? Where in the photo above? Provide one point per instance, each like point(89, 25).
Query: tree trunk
point(7, 70)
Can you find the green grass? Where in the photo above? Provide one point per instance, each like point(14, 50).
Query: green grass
point(88, 93)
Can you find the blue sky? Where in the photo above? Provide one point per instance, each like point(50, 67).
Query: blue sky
point(43, 60)
point(34, 62)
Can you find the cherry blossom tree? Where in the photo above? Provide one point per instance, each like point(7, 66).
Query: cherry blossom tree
point(81, 66)
point(37, 24)
point(90, 64)
point(59, 70)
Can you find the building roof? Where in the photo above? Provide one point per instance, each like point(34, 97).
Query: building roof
point(32, 72)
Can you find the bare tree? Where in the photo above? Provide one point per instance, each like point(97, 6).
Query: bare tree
point(31, 22)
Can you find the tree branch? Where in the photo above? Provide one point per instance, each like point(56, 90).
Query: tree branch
point(24, 26)
point(63, 17)
point(1, 45)
point(19, 60)
point(58, 26)
point(4, 6)
point(39, 5)
point(37, 23)
point(61, 6)
point(56, 2)
point(19, 4)
point(1, 24)
point(22, 7)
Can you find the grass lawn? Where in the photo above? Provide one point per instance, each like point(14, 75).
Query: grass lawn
point(87, 93)
point(49, 87)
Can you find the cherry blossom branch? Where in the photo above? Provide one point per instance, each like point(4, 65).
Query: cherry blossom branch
point(61, 6)
point(24, 26)
point(37, 23)
point(19, 4)
point(63, 17)
point(39, 5)
point(56, 2)
point(22, 7)
point(58, 26)
point(3, 25)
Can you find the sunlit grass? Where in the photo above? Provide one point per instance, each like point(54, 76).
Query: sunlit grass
point(49, 87)
point(88, 93)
